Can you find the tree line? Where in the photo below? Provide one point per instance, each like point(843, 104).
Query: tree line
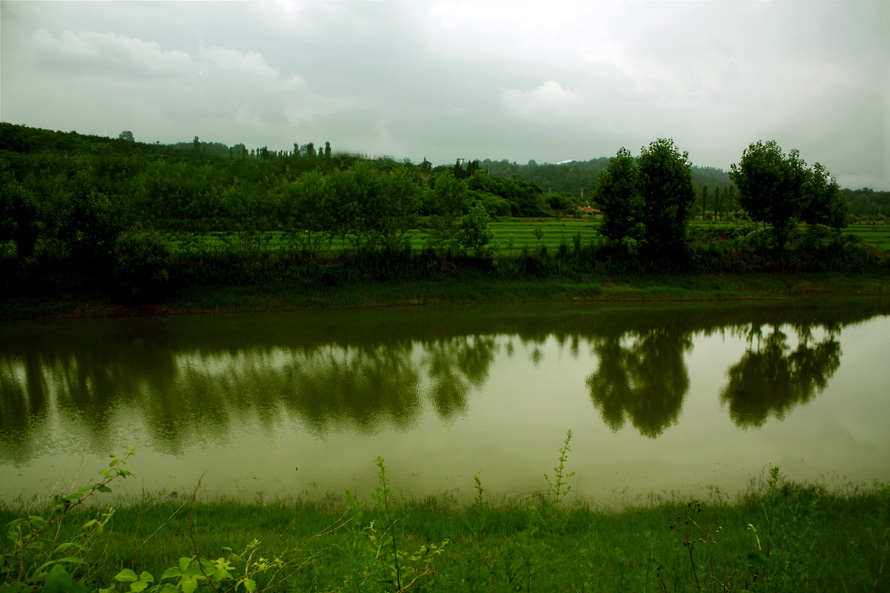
point(89, 203)
point(647, 202)
point(67, 195)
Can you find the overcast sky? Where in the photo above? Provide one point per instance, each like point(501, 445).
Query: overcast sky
point(543, 80)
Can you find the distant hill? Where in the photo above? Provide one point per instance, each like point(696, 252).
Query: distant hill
point(578, 178)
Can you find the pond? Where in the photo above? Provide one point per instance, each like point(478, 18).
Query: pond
point(661, 400)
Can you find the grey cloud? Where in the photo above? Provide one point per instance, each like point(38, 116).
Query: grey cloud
point(447, 79)
point(108, 54)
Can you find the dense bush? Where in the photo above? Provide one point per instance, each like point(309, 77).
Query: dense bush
point(142, 262)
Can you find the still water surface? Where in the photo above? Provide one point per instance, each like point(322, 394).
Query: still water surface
point(667, 399)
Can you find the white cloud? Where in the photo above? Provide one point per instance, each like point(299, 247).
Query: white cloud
point(108, 51)
point(311, 106)
point(237, 62)
point(543, 103)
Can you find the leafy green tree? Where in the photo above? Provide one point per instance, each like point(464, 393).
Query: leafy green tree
point(18, 215)
point(668, 197)
point(91, 224)
point(306, 206)
point(458, 170)
point(824, 203)
point(771, 186)
point(127, 136)
point(142, 262)
point(475, 234)
point(449, 194)
point(618, 198)
point(396, 208)
point(524, 198)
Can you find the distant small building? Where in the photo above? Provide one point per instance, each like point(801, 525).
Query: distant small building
point(588, 210)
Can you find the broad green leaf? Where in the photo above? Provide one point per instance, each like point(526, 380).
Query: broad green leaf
point(105, 489)
point(188, 585)
point(249, 585)
point(36, 521)
point(71, 560)
point(171, 573)
point(59, 581)
point(194, 572)
point(67, 546)
point(126, 576)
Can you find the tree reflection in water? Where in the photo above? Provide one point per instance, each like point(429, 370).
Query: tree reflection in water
point(771, 378)
point(644, 381)
point(186, 394)
point(201, 381)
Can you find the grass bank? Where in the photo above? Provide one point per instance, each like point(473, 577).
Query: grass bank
point(778, 536)
point(295, 295)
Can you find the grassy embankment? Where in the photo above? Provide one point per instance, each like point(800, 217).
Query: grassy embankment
point(779, 536)
point(535, 261)
point(287, 296)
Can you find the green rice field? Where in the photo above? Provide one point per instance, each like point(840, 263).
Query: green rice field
point(510, 237)
point(877, 234)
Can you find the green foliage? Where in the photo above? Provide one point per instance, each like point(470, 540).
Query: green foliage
point(779, 536)
point(142, 261)
point(35, 558)
point(824, 203)
point(450, 195)
point(781, 189)
point(475, 234)
point(559, 486)
point(19, 219)
point(248, 217)
point(38, 557)
point(524, 198)
point(90, 224)
point(668, 196)
point(617, 196)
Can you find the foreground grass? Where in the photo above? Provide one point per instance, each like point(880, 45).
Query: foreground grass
point(791, 539)
point(779, 536)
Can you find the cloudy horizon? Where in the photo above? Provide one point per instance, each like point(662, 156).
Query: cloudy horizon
point(519, 81)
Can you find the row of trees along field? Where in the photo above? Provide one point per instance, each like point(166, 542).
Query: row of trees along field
point(60, 187)
point(647, 202)
point(72, 200)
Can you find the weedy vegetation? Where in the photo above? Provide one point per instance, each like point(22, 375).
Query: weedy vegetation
point(778, 536)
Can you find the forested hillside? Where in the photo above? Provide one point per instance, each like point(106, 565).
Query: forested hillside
point(578, 178)
point(76, 208)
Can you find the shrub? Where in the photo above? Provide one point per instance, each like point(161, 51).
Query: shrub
point(142, 263)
